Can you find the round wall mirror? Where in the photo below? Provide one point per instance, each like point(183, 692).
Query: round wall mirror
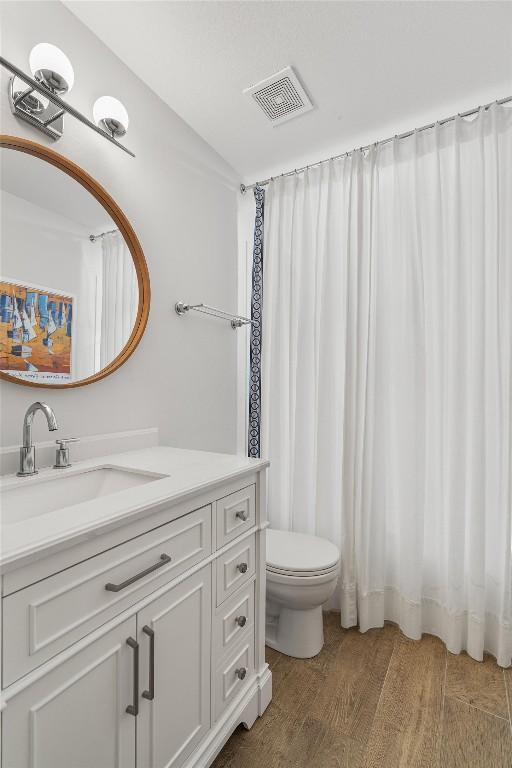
point(74, 285)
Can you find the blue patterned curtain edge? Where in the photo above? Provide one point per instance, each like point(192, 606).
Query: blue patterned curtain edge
point(253, 449)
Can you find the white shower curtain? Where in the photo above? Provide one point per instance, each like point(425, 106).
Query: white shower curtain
point(387, 376)
point(120, 297)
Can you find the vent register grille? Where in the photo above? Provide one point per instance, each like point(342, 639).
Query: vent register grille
point(279, 99)
point(281, 96)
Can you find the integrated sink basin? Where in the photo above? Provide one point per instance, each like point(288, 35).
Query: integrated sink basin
point(34, 496)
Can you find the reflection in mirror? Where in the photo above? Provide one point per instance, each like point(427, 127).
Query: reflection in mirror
point(68, 287)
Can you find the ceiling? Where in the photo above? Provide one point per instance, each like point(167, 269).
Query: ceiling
point(371, 68)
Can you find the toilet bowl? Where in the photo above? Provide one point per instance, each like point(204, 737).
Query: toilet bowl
point(302, 572)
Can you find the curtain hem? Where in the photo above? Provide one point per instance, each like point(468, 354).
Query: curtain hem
point(458, 631)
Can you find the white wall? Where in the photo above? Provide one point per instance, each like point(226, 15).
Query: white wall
point(180, 197)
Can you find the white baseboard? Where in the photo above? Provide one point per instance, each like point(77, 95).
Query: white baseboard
point(265, 690)
point(88, 448)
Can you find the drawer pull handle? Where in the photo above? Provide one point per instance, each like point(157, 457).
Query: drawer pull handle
point(241, 673)
point(164, 559)
point(242, 567)
point(242, 515)
point(133, 709)
point(150, 694)
point(241, 621)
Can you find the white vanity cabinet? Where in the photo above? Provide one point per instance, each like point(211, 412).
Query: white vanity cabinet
point(73, 715)
point(143, 648)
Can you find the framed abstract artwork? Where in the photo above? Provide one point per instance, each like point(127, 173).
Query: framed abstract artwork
point(36, 332)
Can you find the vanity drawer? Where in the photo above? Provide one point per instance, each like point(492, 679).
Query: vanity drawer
point(233, 621)
point(47, 617)
point(236, 513)
point(232, 675)
point(235, 567)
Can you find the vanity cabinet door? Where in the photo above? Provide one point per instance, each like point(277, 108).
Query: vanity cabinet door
point(174, 634)
point(75, 714)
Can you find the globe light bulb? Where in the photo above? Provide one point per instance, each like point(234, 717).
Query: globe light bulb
point(52, 67)
point(111, 115)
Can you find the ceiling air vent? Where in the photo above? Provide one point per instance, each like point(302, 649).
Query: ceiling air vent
point(280, 96)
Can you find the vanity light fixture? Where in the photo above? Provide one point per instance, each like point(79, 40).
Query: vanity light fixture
point(111, 115)
point(37, 99)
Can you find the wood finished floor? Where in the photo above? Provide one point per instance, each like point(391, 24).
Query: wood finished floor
point(379, 700)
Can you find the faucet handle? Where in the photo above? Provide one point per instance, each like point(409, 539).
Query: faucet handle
point(63, 440)
point(62, 454)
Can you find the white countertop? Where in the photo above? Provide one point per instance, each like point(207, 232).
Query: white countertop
point(186, 472)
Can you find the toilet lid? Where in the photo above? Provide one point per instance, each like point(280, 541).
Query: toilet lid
point(299, 553)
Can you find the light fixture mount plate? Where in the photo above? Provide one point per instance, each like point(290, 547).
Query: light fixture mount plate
point(35, 108)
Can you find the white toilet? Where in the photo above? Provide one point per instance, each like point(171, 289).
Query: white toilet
point(302, 572)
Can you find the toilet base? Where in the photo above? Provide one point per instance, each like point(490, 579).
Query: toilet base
point(297, 633)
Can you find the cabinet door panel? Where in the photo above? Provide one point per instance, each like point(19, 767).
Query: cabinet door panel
point(171, 725)
point(75, 715)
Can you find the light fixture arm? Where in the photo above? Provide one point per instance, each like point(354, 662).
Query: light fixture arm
point(34, 85)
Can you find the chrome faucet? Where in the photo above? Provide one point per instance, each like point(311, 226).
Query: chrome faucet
point(28, 451)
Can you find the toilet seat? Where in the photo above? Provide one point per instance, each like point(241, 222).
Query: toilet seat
point(302, 574)
point(302, 581)
point(300, 555)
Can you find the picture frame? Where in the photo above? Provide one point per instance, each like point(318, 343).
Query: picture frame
point(37, 329)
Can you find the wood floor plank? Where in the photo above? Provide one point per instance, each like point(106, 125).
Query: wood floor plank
point(507, 673)
point(349, 697)
point(473, 738)
point(316, 744)
point(340, 716)
point(407, 725)
point(479, 683)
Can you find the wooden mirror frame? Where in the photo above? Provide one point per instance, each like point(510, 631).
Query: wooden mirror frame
point(128, 233)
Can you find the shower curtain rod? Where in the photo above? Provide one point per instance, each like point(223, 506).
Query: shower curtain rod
point(474, 111)
point(93, 238)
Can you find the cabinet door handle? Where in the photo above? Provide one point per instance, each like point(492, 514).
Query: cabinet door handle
point(241, 621)
point(241, 673)
point(164, 559)
point(242, 567)
point(133, 709)
point(242, 515)
point(150, 694)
